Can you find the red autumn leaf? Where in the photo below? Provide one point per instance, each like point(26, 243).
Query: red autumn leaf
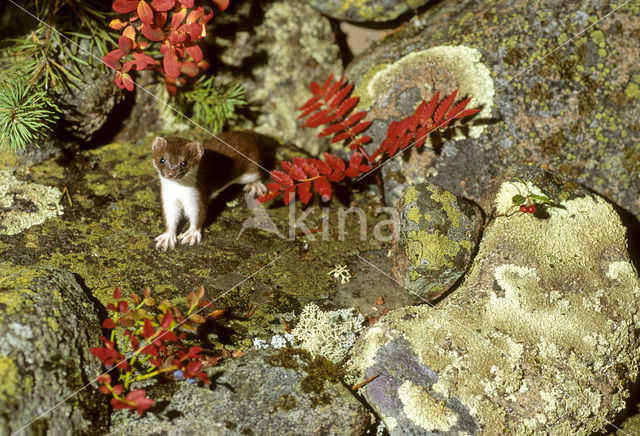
point(341, 137)
point(112, 60)
point(355, 118)
point(312, 108)
point(151, 350)
point(195, 53)
point(172, 65)
point(145, 12)
point(315, 88)
point(163, 5)
point(360, 127)
point(312, 101)
point(140, 400)
point(268, 196)
point(332, 90)
point(429, 108)
point(304, 190)
point(152, 32)
point(346, 106)
point(125, 44)
point(105, 390)
point(167, 320)
point(143, 61)
point(108, 324)
point(334, 161)
point(444, 106)
point(124, 6)
point(187, 3)
point(322, 187)
point(282, 177)
point(323, 167)
point(289, 194)
point(331, 129)
point(222, 4)
point(148, 329)
point(117, 389)
point(340, 96)
point(274, 187)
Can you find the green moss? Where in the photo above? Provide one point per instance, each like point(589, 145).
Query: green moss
point(285, 402)
point(319, 371)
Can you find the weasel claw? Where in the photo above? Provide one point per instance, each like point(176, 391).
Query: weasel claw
point(191, 237)
point(256, 188)
point(166, 241)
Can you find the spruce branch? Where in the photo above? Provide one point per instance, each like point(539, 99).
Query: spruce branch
point(26, 114)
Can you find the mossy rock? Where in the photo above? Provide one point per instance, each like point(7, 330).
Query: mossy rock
point(47, 325)
point(541, 337)
point(365, 10)
point(438, 234)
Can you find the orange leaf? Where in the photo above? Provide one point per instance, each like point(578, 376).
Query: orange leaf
point(145, 12)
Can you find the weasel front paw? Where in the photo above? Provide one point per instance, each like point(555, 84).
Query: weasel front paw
point(166, 240)
point(191, 237)
point(256, 188)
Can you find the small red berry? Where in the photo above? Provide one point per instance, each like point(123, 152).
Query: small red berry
point(523, 208)
point(531, 209)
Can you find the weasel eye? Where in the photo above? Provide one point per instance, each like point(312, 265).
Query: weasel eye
point(162, 160)
point(183, 163)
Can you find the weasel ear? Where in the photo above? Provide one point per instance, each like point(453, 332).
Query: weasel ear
point(158, 143)
point(196, 148)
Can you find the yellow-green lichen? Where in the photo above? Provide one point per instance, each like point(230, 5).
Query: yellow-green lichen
point(9, 377)
point(414, 215)
point(437, 249)
point(447, 199)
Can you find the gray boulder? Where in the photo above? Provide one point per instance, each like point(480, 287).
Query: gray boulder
point(365, 10)
point(279, 392)
point(47, 325)
point(541, 337)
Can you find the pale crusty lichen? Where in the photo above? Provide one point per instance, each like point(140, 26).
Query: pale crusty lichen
point(416, 402)
point(24, 205)
point(329, 334)
point(472, 76)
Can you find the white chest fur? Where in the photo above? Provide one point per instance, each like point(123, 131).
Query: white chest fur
point(180, 197)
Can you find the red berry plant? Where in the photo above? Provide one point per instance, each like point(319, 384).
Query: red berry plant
point(162, 35)
point(331, 106)
point(526, 203)
point(155, 349)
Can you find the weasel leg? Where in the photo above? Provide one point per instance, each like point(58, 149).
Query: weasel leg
point(256, 188)
point(166, 240)
point(191, 237)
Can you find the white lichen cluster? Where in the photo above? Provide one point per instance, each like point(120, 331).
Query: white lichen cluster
point(341, 272)
point(276, 341)
point(330, 334)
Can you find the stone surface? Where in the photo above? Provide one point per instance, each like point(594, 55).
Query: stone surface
point(280, 392)
point(542, 336)
point(276, 58)
point(47, 325)
point(24, 204)
point(365, 10)
point(438, 234)
point(574, 112)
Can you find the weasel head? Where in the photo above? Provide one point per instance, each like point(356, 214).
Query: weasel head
point(173, 157)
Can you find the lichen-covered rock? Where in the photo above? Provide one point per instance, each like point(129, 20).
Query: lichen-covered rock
point(47, 325)
point(24, 204)
point(542, 336)
point(280, 392)
point(365, 10)
point(438, 234)
point(275, 59)
point(575, 111)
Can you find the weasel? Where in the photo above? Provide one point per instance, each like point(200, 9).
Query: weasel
point(192, 173)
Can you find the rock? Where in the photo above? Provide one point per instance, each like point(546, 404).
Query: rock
point(438, 234)
point(276, 59)
point(284, 391)
point(573, 112)
point(542, 336)
point(24, 204)
point(365, 10)
point(47, 325)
